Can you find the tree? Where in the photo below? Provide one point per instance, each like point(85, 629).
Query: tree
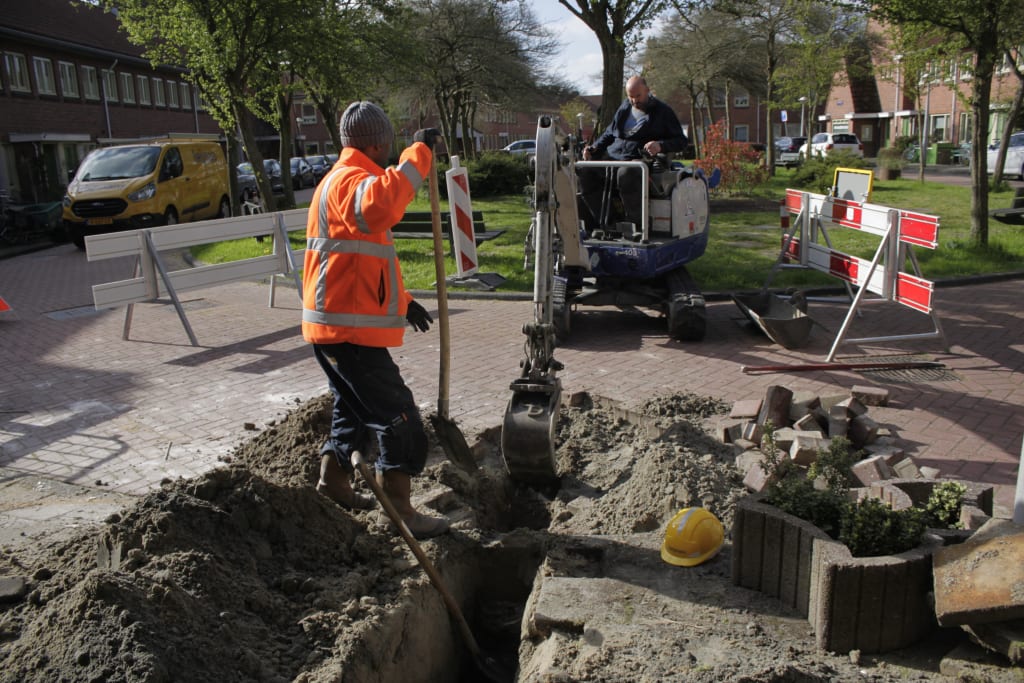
point(988, 28)
point(225, 46)
point(476, 53)
point(1013, 57)
point(617, 25)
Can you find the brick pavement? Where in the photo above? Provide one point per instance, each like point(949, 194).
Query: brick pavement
point(79, 405)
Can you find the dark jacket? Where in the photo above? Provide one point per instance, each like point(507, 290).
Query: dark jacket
point(659, 124)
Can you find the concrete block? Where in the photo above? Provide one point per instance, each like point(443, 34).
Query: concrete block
point(783, 439)
point(752, 431)
point(804, 450)
point(971, 662)
point(981, 580)
point(756, 478)
point(871, 470)
point(744, 444)
point(775, 406)
point(826, 402)
point(838, 421)
point(747, 459)
point(1005, 638)
point(807, 423)
point(930, 472)
point(906, 469)
point(728, 430)
point(853, 406)
point(870, 396)
point(746, 409)
point(973, 518)
point(863, 431)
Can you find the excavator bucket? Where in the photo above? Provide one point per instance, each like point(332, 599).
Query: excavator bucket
point(528, 432)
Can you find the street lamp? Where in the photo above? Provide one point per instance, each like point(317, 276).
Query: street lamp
point(803, 103)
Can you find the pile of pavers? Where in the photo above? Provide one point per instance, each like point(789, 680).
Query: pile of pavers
point(805, 423)
point(978, 583)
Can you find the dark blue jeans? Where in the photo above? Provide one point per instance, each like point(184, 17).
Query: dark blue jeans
point(371, 398)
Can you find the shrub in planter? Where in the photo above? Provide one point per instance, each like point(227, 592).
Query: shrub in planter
point(863, 577)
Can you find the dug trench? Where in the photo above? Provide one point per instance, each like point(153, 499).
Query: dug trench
point(247, 574)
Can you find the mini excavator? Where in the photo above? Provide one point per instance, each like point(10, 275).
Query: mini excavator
point(617, 263)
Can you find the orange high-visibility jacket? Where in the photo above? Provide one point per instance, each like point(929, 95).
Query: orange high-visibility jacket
point(352, 289)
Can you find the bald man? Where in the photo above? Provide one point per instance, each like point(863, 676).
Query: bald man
point(642, 123)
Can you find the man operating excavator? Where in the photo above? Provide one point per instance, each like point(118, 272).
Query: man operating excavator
point(643, 124)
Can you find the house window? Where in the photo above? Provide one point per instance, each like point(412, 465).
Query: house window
point(172, 94)
point(741, 101)
point(68, 79)
point(144, 90)
point(718, 100)
point(158, 92)
point(44, 76)
point(109, 85)
point(17, 72)
point(200, 102)
point(867, 133)
point(966, 129)
point(308, 114)
point(186, 95)
point(940, 128)
point(741, 133)
point(127, 88)
point(90, 83)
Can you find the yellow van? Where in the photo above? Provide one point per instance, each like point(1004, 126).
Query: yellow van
point(143, 185)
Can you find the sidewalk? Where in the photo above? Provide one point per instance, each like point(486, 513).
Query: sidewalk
point(80, 406)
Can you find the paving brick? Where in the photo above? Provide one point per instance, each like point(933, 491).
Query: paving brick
point(863, 430)
point(746, 409)
point(871, 470)
point(906, 468)
point(804, 450)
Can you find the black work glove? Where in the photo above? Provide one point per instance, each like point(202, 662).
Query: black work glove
point(418, 317)
point(428, 136)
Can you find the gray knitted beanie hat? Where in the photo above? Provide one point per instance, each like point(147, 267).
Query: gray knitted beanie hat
point(364, 124)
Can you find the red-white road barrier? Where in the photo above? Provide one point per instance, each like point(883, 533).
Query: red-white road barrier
point(809, 244)
point(463, 239)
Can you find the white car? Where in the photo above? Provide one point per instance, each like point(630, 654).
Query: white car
point(1014, 162)
point(823, 144)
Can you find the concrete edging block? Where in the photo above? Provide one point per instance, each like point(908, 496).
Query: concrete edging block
point(871, 604)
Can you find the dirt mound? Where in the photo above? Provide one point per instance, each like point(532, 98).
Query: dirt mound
point(246, 574)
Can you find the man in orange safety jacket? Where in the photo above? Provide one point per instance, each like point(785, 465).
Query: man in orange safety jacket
point(355, 306)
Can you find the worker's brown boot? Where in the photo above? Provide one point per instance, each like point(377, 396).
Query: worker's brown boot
point(398, 486)
point(336, 485)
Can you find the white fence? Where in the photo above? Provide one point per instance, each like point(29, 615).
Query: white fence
point(152, 281)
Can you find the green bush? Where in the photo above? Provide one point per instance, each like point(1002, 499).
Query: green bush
point(943, 505)
point(818, 173)
point(870, 528)
point(494, 174)
point(890, 157)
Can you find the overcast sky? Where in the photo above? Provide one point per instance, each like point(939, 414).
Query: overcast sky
point(579, 60)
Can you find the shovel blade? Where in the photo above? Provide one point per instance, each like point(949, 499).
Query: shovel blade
point(453, 442)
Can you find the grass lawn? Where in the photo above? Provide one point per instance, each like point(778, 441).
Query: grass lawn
point(743, 243)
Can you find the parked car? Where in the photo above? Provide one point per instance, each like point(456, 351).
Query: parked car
point(787, 151)
point(331, 160)
point(521, 147)
point(320, 166)
point(1013, 165)
point(302, 174)
point(272, 169)
point(823, 144)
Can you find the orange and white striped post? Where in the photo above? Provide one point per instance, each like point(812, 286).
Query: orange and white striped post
point(461, 207)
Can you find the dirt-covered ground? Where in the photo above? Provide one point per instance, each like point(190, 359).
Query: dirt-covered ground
point(247, 574)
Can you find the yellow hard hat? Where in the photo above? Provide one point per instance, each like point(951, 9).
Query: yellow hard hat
point(693, 536)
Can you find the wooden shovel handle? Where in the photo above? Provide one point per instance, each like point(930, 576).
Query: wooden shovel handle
point(442, 292)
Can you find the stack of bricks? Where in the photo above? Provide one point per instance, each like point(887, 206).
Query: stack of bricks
point(804, 424)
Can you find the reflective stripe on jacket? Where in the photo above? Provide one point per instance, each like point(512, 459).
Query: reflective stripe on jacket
point(352, 289)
